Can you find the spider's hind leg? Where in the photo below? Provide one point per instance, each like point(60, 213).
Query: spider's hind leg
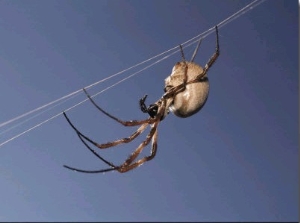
point(215, 56)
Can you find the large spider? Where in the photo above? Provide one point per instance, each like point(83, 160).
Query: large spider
point(186, 91)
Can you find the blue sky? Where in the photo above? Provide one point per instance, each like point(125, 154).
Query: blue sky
point(235, 160)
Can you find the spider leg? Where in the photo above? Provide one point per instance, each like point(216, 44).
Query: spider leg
point(185, 66)
point(82, 137)
point(215, 55)
point(174, 90)
point(125, 123)
point(128, 165)
point(113, 167)
point(196, 50)
point(109, 144)
point(95, 153)
point(89, 171)
point(182, 53)
point(213, 59)
point(124, 140)
point(181, 87)
point(146, 158)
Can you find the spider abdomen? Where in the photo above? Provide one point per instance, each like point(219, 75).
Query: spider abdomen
point(193, 98)
point(190, 101)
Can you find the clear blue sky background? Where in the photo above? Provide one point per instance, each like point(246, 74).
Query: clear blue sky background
point(236, 160)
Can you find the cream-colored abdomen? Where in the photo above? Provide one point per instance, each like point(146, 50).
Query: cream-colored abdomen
point(191, 100)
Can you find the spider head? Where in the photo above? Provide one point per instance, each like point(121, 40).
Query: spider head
point(151, 110)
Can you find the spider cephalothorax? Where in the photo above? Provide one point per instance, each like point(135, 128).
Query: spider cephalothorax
point(151, 110)
point(186, 91)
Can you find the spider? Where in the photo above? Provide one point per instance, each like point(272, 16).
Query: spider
point(186, 91)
